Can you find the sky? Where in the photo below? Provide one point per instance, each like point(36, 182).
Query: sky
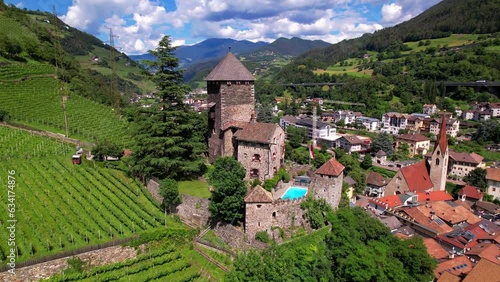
point(138, 25)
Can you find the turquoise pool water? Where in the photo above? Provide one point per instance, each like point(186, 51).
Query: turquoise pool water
point(294, 193)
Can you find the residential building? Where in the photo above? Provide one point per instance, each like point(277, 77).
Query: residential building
point(348, 117)
point(371, 124)
point(392, 122)
point(418, 144)
point(461, 164)
point(482, 115)
point(468, 115)
point(470, 193)
point(493, 179)
point(322, 129)
point(375, 184)
point(430, 109)
point(352, 143)
point(452, 126)
point(415, 123)
point(494, 109)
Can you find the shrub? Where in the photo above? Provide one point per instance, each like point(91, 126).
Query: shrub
point(262, 236)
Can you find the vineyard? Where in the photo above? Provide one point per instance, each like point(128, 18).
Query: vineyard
point(60, 206)
point(29, 93)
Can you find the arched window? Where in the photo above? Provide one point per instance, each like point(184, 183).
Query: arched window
point(256, 157)
point(437, 161)
point(274, 156)
point(254, 172)
point(438, 153)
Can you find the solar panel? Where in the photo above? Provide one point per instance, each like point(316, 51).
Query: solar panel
point(469, 235)
point(438, 220)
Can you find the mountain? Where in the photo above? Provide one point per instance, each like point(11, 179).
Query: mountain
point(207, 50)
point(441, 20)
point(295, 46)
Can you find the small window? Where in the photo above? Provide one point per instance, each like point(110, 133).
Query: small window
point(274, 214)
point(493, 189)
point(437, 160)
point(238, 82)
point(256, 157)
point(254, 172)
point(247, 82)
point(258, 206)
point(274, 156)
point(228, 83)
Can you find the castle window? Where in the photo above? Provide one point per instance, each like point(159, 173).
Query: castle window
point(274, 214)
point(274, 156)
point(247, 82)
point(438, 153)
point(256, 157)
point(254, 172)
point(437, 160)
point(238, 82)
point(228, 83)
point(258, 206)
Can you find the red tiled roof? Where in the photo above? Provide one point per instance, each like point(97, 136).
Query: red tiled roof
point(471, 192)
point(331, 167)
point(422, 215)
point(376, 179)
point(472, 158)
point(434, 249)
point(388, 201)
point(450, 266)
point(413, 137)
point(493, 174)
point(230, 68)
point(417, 177)
point(234, 124)
point(433, 196)
point(259, 195)
point(448, 277)
point(257, 132)
point(484, 271)
point(486, 250)
point(352, 139)
point(442, 140)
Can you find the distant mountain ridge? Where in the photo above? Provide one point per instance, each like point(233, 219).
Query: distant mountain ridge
point(215, 48)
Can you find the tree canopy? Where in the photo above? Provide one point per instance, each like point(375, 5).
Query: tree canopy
point(477, 178)
point(169, 190)
point(229, 189)
point(383, 142)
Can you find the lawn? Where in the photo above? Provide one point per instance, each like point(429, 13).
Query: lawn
point(196, 188)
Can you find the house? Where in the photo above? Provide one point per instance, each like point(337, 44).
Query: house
point(322, 129)
point(408, 200)
point(456, 267)
point(493, 179)
point(468, 115)
point(487, 210)
point(430, 109)
point(452, 127)
point(482, 115)
point(494, 109)
point(347, 117)
point(352, 143)
point(418, 144)
point(415, 123)
point(463, 163)
point(485, 271)
point(434, 249)
point(486, 251)
point(380, 157)
point(466, 236)
point(371, 124)
point(470, 193)
point(392, 122)
point(350, 189)
point(375, 184)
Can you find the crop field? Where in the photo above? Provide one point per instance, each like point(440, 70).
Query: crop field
point(29, 93)
point(453, 40)
point(165, 263)
point(22, 34)
point(60, 206)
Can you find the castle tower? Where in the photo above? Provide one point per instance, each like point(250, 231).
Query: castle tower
point(258, 211)
point(439, 161)
point(328, 182)
point(231, 101)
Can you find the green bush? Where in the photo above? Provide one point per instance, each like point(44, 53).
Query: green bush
point(262, 236)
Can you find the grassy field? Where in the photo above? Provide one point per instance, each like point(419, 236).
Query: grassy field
point(195, 188)
point(452, 41)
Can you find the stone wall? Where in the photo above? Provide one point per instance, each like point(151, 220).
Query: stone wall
point(194, 210)
point(231, 235)
point(153, 187)
point(328, 188)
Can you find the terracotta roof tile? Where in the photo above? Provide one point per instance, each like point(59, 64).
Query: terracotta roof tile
point(257, 132)
point(435, 249)
point(423, 217)
point(484, 271)
point(230, 68)
point(259, 195)
point(433, 196)
point(490, 207)
point(452, 264)
point(417, 177)
point(376, 179)
point(493, 174)
point(448, 277)
point(413, 137)
point(331, 167)
point(472, 158)
point(353, 139)
point(471, 192)
point(486, 251)
point(388, 201)
point(442, 140)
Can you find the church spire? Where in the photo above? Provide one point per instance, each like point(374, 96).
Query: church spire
point(442, 140)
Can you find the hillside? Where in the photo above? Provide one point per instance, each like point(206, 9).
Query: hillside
point(441, 20)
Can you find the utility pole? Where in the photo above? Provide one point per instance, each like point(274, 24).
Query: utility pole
point(114, 97)
point(59, 68)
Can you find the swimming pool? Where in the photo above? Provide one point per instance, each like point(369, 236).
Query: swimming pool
point(294, 193)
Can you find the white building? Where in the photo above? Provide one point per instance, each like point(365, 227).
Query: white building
point(452, 126)
point(322, 129)
point(493, 179)
point(392, 122)
point(371, 124)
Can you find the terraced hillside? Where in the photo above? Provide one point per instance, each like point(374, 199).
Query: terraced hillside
point(29, 92)
point(60, 206)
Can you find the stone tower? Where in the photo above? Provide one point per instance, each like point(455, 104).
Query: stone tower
point(328, 182)
point(231, 101)
point(258, 211)
point(439, 161)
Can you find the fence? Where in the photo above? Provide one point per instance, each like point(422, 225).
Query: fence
point(69, 253)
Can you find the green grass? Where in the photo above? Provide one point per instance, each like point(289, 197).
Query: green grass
point(196, 188)
point(452, 41)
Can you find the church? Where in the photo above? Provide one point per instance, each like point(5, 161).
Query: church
point(232, 126)
point(424, 176)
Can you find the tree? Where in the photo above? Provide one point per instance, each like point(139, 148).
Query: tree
point(169, 190)
point(169, 137)
point(227, 199)
point(477, 178)
point(265, 113)
point(105, 149)
point(296, 135)
point(383, 142)
point(488, 131)
point(4, 115)
point(367, 161)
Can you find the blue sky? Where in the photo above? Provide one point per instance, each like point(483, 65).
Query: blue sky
point(140, 24)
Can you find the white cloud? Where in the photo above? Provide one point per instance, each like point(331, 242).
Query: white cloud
point(391, 12)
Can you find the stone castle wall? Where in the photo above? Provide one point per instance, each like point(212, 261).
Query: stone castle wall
point(328, 188)
point(194, 210)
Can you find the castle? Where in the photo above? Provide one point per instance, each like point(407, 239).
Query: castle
point(260, 148)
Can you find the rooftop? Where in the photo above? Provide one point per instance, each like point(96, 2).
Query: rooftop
point(230, 68)
point(455, 266)
point(484, 271)
point(471, 192)
point(331, 167)
point(257, 132)
point(472, 158)
point(413, 137)
point(434, 249)
point(493, 174)
point(259, 195)
point(417, 177)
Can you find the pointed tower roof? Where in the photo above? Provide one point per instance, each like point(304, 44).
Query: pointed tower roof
point(442, 140)
point(230, 68)
point(331, 167)
point(259, 195)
